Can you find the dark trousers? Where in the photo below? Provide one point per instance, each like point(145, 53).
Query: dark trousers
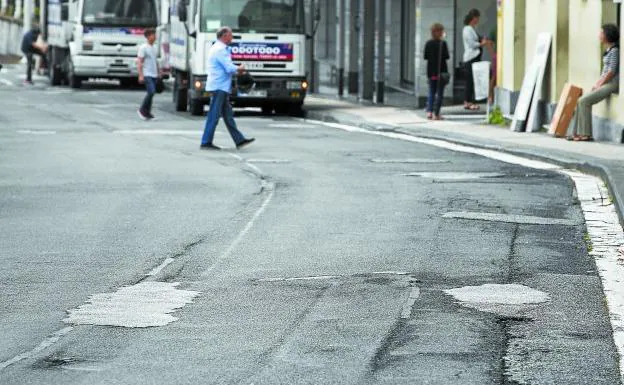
point(435, 97)
point(150, 86)
point(469, 96)
point(30, 58)
point(220, 107)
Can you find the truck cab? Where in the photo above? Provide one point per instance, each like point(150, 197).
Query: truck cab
point(269, 39)
point(97, 38)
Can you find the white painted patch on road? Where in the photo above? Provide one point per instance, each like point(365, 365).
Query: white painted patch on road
point(456, 176)
point(290, 125)
point(604, 229)
point(505, 294)
point(408, 307)
point(146, 304)
point(509, 218)
point(51, 340)
point(7, 82)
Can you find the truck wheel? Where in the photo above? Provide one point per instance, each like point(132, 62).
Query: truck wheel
point(74, 81)
point(296, 109)
point(267, 110)
point(282, 109)
point(179, 96)
point(54, 70)
point(196, 107)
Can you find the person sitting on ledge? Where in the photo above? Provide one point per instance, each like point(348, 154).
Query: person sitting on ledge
point(607, 84)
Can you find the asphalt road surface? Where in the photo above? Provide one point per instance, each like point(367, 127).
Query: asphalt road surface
point(313, 256)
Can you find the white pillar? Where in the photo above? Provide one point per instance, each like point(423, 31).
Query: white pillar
point(3, 6)
point(18, 9)
point(28, 13)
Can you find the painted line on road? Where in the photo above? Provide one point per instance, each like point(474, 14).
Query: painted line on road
point(408, 306)
point(602, 222)
point(51, 340)
point(267, 186)
point(159, 268)
point(7, 82)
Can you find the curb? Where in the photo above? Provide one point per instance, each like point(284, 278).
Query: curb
point(590, 167)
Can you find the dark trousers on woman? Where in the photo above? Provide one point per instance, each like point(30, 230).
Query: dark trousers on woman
point(435, 97)
point(469, 96)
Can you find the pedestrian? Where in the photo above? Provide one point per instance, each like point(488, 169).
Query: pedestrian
point(607, 84)
point(436, 55)
point(473, 49)
point(147, 65)
point(30, 48)
point(219, 84)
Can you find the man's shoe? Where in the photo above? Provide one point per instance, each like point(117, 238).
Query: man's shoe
point(245, 142)
point(142, 115)
point(209, 146)
point(151, 117)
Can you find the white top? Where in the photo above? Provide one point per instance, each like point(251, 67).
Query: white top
point(147, 52)
point(471, 43)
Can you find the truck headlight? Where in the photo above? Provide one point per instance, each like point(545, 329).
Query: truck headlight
point(296, 85)
point(198, 84)
point(87, 45)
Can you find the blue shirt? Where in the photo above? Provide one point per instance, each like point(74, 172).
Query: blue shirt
point(220, 68)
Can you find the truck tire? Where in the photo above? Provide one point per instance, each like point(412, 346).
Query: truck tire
point(282, 109)
point(55, 68)
point(196, 107)
point(296, 109)
point(267, 109)
point(74, 80)
point(179, 95)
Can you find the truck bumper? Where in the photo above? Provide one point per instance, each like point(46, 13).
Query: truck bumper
point(267, 91)
point(105, 66)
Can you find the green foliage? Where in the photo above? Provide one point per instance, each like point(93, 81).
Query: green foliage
point(496, 117)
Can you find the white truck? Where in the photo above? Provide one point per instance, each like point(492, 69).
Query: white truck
point(96, 38)
point(269, 38)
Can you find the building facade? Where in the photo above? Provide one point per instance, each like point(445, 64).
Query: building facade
point(399, 29)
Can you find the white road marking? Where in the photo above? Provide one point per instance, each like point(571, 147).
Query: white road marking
point(6, 82)
point(157, 132)
point(290, 125)
point(509, 218)
point(456, 175)
point(410, 160)
point(41, 347)
point(268, 161)
point(160, 267)
point(36, 132)
point(408, 306)
point(145, 304)
point(604, 229)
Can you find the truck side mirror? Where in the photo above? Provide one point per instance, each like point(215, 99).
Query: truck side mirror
point(182, 14)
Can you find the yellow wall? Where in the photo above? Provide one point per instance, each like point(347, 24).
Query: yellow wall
point(511, 45)
point(550, 16)
point(586, 53)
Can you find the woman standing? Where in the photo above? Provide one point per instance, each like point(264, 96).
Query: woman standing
point(473, 49)
point(436, 55)
point(607, 84)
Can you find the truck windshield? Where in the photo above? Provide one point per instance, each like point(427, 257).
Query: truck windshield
point(253, 16)
point(130, 13)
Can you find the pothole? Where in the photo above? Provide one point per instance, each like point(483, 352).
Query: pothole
point(504, 299)
point(456, 176)
point(142, 305)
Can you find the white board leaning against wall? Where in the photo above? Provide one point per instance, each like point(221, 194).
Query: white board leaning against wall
point(533, 75)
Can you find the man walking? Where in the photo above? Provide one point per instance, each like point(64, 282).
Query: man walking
point(31, 48)
point(220, 71)
point(148, 72)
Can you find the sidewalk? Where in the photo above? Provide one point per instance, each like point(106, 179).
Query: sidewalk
point(605, 160)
